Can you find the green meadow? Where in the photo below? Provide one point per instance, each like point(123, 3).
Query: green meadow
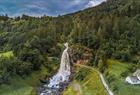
point(115, 69)
point(89, 84)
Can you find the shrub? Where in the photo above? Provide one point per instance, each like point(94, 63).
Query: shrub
point(111, 78)
point(81, 74)
point(124, 74)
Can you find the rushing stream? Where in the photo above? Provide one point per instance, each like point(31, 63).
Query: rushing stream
point(62, 76)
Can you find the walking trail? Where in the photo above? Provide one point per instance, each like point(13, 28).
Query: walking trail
point(101, 78)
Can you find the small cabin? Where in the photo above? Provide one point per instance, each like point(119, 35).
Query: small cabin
point(135, 78)
point(132, 80)
point(137, 73)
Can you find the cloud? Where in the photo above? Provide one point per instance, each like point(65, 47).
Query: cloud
point(2, 10)
point(41, 7)
point(67, 4)
point(36, 5)
point(32, 8)
point(93, 3)
point(76, 2)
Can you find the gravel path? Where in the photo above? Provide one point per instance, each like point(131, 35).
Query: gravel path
point(101, 77)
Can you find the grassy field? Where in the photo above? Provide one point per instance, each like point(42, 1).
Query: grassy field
point(90, 85)
point(7, 54)
point(20, 86)
point(116, 68)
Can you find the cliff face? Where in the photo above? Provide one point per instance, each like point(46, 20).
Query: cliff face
point(78, 53)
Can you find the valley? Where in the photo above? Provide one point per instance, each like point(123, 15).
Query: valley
point(104, 40)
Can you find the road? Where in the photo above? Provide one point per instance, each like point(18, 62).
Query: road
point(101, 77)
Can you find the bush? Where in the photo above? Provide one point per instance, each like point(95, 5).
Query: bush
point(6, 69)
point(32, 56)
point(125, 56)
point(122, 55)
point(117, 55)
point(135, 60)
point(115, 88)
point(12, 66)
point(81, 74)
point(125, 74)
point(132, 68)
point(111, 78)
point(24, 68)
point(102, 65)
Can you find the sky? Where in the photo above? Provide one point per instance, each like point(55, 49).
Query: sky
point(44, 7)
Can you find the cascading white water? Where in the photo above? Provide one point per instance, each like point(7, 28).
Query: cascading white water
point(64, 70)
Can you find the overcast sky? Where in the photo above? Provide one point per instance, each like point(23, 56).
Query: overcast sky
point(47, 7)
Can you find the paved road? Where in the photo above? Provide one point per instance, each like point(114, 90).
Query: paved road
point(101, 77)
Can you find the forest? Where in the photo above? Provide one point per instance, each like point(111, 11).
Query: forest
point(110, 31)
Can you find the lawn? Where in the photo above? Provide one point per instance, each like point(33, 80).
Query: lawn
point(7, 54)
point(116, 68)
point(90, 85)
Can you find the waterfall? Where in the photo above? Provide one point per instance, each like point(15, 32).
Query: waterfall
point(63, 72)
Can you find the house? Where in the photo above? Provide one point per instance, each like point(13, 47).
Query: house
point(135, 78)
point(132, 80)
point(137, 73)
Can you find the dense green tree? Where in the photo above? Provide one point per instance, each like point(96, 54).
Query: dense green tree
point(110, 30)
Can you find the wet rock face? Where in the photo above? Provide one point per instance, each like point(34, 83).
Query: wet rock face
point(45, 90)
point(78, 52)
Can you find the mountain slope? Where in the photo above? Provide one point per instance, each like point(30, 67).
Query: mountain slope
point(110, 30)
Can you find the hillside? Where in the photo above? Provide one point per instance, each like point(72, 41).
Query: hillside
point(110, 31)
